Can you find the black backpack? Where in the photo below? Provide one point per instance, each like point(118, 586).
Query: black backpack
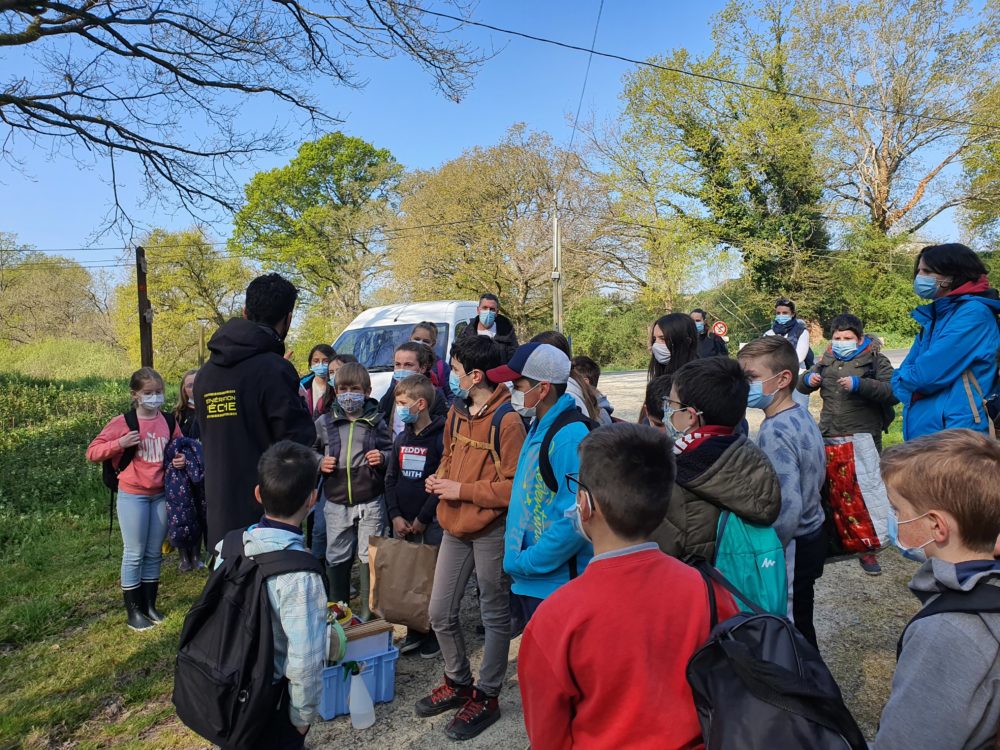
point(759, 685)
point(110, 471)
point(566, 418)
point(982, 599)
point(223, 687)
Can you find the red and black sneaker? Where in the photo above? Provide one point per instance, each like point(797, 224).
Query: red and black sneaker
point(443, 698)
point(477, 714)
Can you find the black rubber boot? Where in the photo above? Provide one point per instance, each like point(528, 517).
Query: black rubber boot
point(339, 577)
point(134, 606)
point(149, 589)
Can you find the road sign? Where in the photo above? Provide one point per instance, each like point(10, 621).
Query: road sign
point(720, 328)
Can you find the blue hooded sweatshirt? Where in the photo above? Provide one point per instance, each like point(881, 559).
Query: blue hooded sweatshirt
point(539, 540)
point(959, 333)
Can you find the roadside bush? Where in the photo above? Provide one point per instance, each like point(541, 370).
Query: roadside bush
point(611, 331)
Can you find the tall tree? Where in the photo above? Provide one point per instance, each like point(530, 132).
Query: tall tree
point(913, 71)
point(700, 165)
point(45, 296)
point(483, 223)
point(193, 288)
point(321, 218)
point(163, 86)
point(982, 169)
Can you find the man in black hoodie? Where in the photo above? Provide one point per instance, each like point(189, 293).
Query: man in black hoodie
point(247, 399)
point(489, 322)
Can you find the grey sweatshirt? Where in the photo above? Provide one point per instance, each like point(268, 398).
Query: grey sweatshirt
point(946, 689)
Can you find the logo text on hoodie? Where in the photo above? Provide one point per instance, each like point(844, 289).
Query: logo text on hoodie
point(220, 404)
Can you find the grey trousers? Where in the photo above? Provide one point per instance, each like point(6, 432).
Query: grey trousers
point(349, 526)
point(456, 560)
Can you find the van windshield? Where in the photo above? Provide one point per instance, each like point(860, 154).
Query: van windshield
point(374, 347)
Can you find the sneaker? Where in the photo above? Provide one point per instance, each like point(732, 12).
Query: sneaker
point(429, 648)
point(443, 698)
point(412, 642)
point(479, 712)
point(869, 564)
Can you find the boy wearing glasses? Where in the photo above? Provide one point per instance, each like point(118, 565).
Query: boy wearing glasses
point(578, 686)
point(542, 550)
point(717, 469)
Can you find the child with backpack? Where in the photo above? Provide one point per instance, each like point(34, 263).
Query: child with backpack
point(855, 381)
point(132, 445)
point(416, 454)
point(602, 663)
point(355, 444)
point(282, 693)
point(542, 550)
point(727, 494)
point(792, 441)
point(482, 442)
point(945, 501)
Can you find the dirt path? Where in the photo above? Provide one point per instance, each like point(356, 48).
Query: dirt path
point(858, 619)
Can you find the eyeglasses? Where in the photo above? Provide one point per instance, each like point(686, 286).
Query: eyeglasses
point(574, 485)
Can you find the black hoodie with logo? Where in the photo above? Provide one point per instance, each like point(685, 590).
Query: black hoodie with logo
point(247, 399)
point(415, 456)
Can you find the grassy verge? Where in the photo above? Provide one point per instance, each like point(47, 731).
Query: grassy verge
point(71, 673)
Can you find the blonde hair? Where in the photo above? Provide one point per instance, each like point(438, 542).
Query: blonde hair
point(181, 405)
point(955, 471)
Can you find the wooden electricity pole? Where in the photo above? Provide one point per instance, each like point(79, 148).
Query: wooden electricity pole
point(145, 310)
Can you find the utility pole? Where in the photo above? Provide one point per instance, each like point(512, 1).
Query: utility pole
point(145, 310)
point(557, 301)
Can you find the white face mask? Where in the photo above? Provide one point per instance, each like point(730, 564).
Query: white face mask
point(661, 353)
point(517, 401)
point(152, 401)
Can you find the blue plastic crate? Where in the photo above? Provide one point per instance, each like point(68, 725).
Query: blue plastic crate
point(378, 673)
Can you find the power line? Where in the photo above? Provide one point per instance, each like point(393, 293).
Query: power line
point(704, 76)
point(586, 75)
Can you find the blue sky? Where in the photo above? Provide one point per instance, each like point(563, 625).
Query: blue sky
point(58, 204)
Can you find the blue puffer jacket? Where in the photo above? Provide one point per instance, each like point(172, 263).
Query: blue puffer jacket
point(958, 333)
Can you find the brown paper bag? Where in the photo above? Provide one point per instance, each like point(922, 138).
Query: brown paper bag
point(402, 574)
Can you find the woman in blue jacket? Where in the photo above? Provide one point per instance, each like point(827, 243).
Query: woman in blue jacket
point(956, 349)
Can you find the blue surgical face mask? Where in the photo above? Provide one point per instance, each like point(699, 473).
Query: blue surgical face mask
point(844, 348)
point(782, 319)
point(756, 398)
point(926, 287)
point(700, 327)
point(351, 402)
point(916, 554)
point(573, 514)
point(398, 375)
point(321, 369)
point(407, 414)
point(456, 388)
point(487, 317)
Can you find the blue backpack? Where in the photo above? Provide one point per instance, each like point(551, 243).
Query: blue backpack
point(751, 557)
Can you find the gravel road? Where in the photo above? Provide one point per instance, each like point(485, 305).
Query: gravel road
point(858, 620)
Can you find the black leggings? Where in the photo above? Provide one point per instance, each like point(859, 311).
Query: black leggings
point(810, 554)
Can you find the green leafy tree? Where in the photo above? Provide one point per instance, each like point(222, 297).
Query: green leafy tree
point(193, 288)
point(982, 169)
point(483, 223)
point(320, 220)
point(703, 165)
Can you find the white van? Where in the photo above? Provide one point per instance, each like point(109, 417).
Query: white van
point(373, 336)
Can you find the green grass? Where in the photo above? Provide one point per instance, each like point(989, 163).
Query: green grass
point(71, 673)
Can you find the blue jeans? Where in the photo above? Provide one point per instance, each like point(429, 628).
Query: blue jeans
point(318, 547)
point(143, 521)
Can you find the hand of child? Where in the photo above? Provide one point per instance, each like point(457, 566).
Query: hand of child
point(846, 383)
point(129, 440)
point(328, 464)
point(814, 380)
point(417, 527)
point(400, 527)
point(432, 480)
point(179, 461)
point(374, 457)
point(447, 489)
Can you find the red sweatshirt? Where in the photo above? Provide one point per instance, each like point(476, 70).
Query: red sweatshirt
point(602, 662)
point(144, 475)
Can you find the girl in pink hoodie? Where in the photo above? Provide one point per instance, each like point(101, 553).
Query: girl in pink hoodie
point(142, 507)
